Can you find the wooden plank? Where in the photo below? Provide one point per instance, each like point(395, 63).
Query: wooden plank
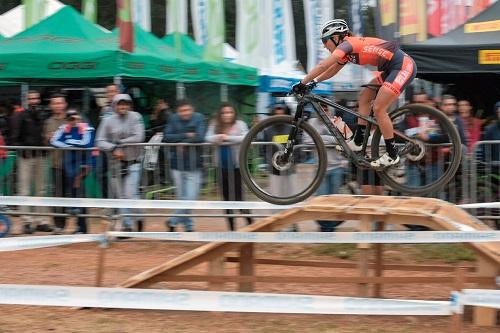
point(324, 264)
point(247, 266)
point(216, 267)
point(482, 316)
point(365, 225)
point(316, 279)
point(379, 262)
point(456, 319)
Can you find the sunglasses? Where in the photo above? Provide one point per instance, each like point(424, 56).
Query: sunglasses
point(325, 39)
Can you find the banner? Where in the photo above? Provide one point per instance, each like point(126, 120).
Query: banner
point(141, 13)
point(89, 10)
point(413, 20)
point(356, 17)
point(214, 49)
point(478, 6)
point(434, 17)
point(283, 33)
point(125, 25)
point(34, 11)
point(386, 19)
point(316, 13)
point(177, 20)
point(248, 32)
point(199, 17)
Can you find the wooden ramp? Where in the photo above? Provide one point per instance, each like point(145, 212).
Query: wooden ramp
point(433, 213)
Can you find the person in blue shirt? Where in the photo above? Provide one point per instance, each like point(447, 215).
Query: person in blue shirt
point(185, 126)
point(76, 163)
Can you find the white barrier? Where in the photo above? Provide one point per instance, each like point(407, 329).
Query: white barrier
point(138, 204)
point(395, 237)
point(480, 297)
point(215, 301)
point(37, 242)
point(379, 237)
point(167, 204)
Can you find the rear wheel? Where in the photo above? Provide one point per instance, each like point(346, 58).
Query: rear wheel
point(431, 160)
point(272, 175)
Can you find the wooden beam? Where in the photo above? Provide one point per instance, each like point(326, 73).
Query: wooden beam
point(450, 280)
point(324, 264)
point(247, 266)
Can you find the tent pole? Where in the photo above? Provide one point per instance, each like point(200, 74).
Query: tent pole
point(118, 81)
point(180, 90)
point(24, 95)
point(224, 93)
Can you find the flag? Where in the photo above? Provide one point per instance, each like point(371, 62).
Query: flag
point(248, 32)
point(421, 20)
point(34, 11)
point(355, 17)
point(141, 13)
point(386, 19)
point(125, 25)
point(434, 17)
point(199, 17)
point(177, 20)
point(89, 10)
point(316, 13)
point(282, 34)
point(214, 49)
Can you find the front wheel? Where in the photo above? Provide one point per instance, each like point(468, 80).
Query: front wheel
point(275, 175)
point(430, 154)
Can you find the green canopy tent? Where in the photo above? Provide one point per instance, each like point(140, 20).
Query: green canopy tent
point(67, 47)
point(186, 48)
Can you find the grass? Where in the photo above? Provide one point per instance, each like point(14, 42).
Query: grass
point(448, 253)
point(342, 251)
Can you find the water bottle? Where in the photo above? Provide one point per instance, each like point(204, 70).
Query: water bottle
point(343, 128)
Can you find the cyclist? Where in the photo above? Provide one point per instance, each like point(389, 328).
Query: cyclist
point(396, 68)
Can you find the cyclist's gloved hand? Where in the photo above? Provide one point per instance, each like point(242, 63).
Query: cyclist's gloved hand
point(311, 85)
point(299, 88)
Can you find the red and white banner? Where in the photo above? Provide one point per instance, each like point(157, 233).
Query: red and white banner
point(434, 17)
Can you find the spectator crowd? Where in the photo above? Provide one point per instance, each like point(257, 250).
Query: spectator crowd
point(108, 147)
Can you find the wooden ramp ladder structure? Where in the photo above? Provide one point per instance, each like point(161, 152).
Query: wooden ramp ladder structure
point(368, 210)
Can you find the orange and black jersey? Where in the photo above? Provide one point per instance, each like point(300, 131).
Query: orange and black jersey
point(368, 51)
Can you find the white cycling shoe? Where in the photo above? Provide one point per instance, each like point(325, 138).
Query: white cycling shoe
point(352, 145)
point(384, 161)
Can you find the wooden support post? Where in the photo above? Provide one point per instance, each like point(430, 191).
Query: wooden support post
point(363, 265)
point(482, 316)
point(216, 267)
point(101, 256)
point(246, 266)
point(457, 318)
point(379, 263)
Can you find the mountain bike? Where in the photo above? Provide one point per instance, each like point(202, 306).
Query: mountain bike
point(296, 157)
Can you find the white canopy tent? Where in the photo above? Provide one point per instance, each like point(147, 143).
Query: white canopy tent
point(12, 22)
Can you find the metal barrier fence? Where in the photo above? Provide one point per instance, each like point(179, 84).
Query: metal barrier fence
point(199, 172)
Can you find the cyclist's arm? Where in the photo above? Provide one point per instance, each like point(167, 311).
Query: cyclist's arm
point(321, 68)
point(330, 72)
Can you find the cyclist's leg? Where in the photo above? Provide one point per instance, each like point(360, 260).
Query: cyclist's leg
point(365, 99)
point(394, 84)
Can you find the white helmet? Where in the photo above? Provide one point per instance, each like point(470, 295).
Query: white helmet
point(334, 27)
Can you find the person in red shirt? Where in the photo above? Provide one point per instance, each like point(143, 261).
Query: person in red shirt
point(396, 68)
point(472, 125)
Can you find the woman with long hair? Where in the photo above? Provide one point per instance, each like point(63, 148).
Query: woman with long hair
point(227, 132)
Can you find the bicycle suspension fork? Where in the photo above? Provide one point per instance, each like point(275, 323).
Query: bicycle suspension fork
point(294, 132)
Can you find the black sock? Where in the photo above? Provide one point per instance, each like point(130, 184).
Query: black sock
point(390, 146)
point(359, 135)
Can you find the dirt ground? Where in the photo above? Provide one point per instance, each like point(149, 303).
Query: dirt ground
point(76, 264)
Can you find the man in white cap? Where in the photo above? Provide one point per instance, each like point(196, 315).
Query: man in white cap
point(123, 127)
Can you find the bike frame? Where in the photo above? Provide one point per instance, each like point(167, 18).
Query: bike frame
point(313, 99)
